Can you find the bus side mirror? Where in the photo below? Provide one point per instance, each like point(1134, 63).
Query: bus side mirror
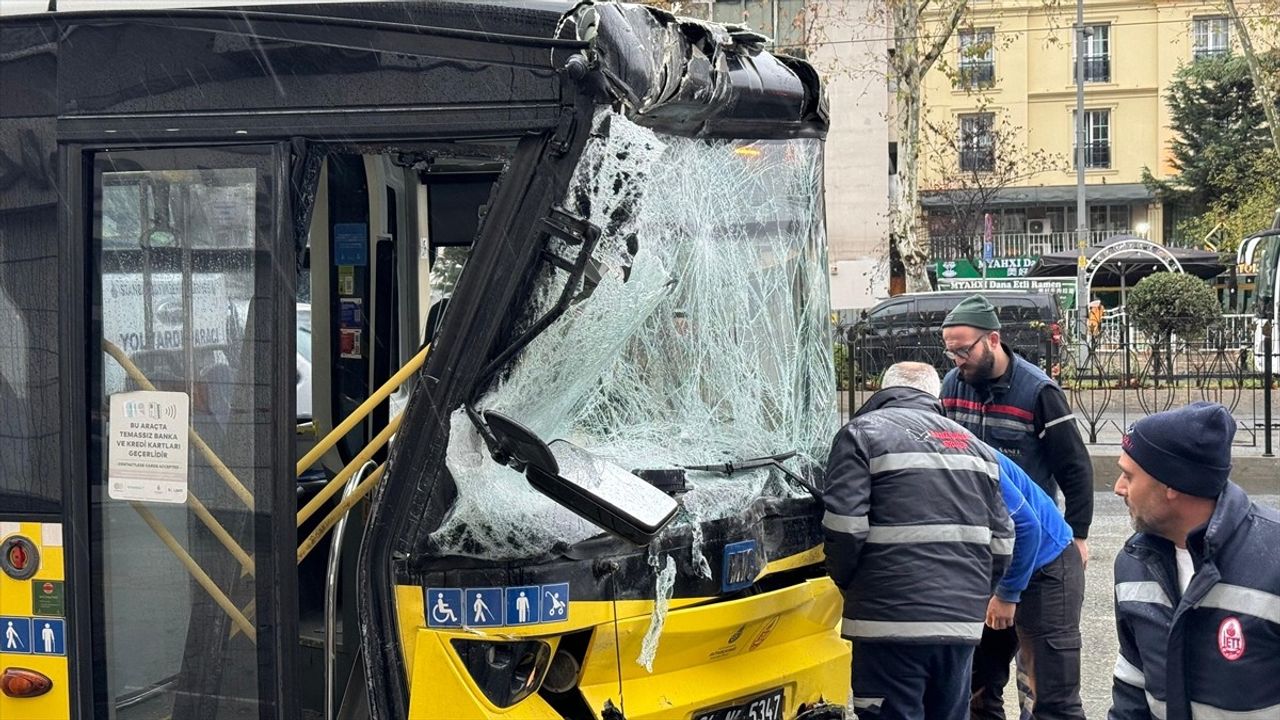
point(595, 489)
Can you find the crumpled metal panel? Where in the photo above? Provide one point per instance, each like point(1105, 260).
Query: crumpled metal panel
point(692, 77)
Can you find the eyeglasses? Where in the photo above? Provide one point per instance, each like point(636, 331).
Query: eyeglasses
point(963, 353)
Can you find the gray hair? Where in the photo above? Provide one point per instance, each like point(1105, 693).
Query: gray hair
point(918, 375)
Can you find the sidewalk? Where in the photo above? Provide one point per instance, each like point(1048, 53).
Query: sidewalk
point(1249, 469)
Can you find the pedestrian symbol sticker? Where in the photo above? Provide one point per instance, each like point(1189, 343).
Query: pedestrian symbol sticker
point(444, 607)
point(16, 633)
point(50, 638)
point(555, 602)
point(523, 604)
point(484, 607)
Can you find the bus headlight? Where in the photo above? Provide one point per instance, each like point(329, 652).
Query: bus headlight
point(505, 671)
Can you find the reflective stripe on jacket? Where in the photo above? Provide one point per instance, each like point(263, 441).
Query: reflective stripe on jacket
point(1212, 653)
point(916, 531)
point(1005, 420)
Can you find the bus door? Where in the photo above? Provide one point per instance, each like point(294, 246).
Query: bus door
point(350, 314)
point(191, 380)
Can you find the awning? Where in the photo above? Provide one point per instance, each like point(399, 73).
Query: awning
point(1131, 265)
point(1050, 195)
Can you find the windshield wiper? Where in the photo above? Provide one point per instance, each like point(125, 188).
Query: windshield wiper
point(729, 468)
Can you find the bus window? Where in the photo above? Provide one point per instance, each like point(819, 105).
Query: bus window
point(187, 272)
point(701, 343)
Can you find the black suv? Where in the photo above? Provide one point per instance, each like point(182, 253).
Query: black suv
point(909, 327)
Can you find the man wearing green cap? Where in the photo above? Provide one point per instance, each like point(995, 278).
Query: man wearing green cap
point(1013, 406)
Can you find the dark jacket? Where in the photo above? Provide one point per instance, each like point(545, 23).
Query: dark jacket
point(1215, 651)
point(916, 531)
point(1024, 415)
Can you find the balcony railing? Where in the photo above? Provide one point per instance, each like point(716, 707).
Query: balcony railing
point(1096, 69)
point(977, 74)
point(978, 160)
point(1096, 155)
point(1009, 245)
point(1201, 53)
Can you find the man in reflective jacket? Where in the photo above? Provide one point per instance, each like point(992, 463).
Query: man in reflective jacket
point(916, 537)
point(1197, 591)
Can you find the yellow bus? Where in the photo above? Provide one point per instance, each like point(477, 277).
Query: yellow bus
point(410, 359)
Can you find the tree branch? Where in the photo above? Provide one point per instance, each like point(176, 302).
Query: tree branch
point(1261, 83)
point(940, 42)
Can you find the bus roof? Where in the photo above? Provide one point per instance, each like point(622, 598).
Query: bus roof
point(41, 7)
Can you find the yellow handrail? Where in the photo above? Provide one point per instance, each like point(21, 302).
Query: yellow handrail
point(197, 507)
point(221, 533)
point(209, 455)
point(334, 515)
point(339, 432)
point(197, 572)
point(358, 462)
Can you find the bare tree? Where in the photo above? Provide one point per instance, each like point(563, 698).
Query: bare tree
point(917, 46)
point(969, 162)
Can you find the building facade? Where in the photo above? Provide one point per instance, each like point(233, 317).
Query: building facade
point(847, 41)
point(1007, 91)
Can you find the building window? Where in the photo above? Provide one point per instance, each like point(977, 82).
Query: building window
point(786, 21)
point(1210, 37)
point(977, 146)
point(1097, 54)
point(1109, 218)
point(1097, 139)
point(977, 58)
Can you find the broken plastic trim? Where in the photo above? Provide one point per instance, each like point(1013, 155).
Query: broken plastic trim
point(575, 231)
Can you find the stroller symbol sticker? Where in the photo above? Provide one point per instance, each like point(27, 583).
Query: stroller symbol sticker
point(555, 602)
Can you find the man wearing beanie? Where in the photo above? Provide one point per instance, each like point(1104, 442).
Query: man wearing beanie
point(1197, 597)
point(1014, 407)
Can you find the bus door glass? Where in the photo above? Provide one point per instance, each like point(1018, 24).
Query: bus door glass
point(190, 418)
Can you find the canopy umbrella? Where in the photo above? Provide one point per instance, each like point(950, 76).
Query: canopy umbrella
point(1126, 268)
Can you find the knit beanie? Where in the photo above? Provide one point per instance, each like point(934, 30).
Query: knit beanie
point(1188, 449)
point(973, 311)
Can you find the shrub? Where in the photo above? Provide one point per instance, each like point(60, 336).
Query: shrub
point(1166, 303)
point(842, 365)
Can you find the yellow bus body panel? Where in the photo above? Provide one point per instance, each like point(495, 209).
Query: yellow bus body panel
point(16, 601)
point(710, 654)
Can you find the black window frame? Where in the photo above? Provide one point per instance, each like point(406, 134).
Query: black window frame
point(975, 72)
point(976, 147)
point(1097, 62)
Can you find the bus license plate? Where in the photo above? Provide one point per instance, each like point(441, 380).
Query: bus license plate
point(764, 707)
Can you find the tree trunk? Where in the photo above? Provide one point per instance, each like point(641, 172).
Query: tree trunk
point(1261, 81)
point(915, 51)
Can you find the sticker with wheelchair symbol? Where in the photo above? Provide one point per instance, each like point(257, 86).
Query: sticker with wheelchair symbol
point(555, 602)
point(444, 607)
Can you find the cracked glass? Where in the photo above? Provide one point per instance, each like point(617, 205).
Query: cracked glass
point(706, 340)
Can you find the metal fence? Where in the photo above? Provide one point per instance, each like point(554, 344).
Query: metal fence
point(1118, 376)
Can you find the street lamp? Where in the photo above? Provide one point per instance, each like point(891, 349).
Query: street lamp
point(1082, 217)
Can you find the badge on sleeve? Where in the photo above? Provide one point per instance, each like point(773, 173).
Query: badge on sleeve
point(1231, 639)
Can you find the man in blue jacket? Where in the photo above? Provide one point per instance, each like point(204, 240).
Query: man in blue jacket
point(1042, 572)
point(1197, 593)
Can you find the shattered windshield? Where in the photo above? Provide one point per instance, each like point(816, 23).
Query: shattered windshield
point(706, 340)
